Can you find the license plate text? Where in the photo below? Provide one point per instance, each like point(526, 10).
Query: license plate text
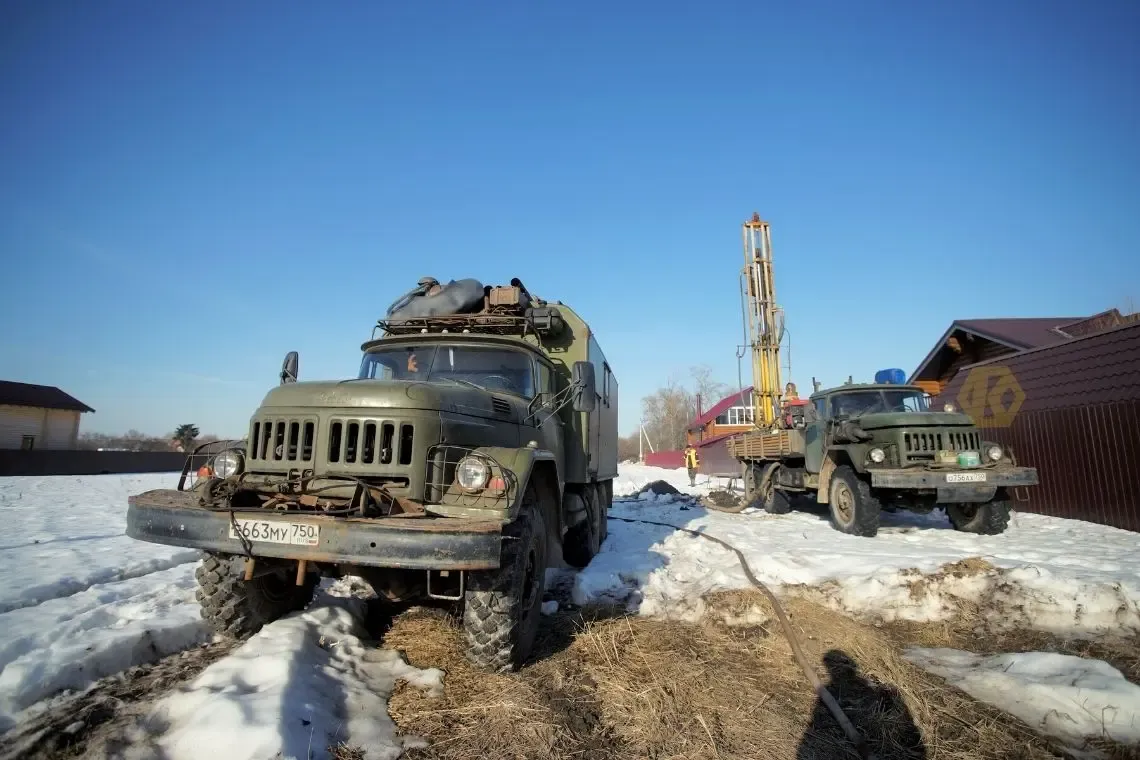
point(277, 532)
point(965, 477)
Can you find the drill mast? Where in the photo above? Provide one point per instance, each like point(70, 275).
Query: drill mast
point(765, 320)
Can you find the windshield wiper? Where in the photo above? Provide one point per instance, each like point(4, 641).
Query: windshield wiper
point(461, 382)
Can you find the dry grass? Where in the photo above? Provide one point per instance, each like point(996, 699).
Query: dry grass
point(609, 687)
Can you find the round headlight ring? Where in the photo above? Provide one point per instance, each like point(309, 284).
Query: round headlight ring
point(472, 473)
point(877, 455)
point(994, 453)
point(229, 463)
point(948, 407)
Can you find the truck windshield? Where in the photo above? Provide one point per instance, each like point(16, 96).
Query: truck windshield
point(494, 369)
point(871, 401)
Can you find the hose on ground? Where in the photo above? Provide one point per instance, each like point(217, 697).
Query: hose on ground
point(821, 691)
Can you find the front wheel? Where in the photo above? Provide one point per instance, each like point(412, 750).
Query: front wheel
point(986, 519)
point(854, 509)
point(239, 608)
point(502, 607)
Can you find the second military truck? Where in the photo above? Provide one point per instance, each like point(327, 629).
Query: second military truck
point(477, 445)
point(860, 448)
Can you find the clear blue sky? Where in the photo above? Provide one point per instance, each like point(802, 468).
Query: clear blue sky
point(189, 190)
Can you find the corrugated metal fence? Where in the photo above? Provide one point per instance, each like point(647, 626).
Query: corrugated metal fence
point(1086, 459)
point(1071, 410)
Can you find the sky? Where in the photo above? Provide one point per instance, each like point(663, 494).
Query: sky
point(190, 190)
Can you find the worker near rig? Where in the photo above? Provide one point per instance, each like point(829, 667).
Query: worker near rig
point(692, 462)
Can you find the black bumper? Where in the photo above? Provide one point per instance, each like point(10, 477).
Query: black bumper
point(949, 489)
point(418, 543)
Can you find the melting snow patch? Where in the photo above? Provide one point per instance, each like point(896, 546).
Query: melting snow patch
point(1038, 574)
point(1067, 697)
point(68, 644)
point(300, 685)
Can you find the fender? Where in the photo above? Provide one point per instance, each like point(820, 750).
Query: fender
point(520, 463)
point(822, 493)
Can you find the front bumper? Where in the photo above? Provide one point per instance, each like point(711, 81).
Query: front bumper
point(982, 485)
point(417, 543)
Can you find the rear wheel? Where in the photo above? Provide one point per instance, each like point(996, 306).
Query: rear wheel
point(584, 540)
point(502, 607)
point(239, 608)
point(987, 519)
point(854, 509)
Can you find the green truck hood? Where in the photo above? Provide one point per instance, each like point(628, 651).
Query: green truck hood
point(913, 419)
point(385, 394)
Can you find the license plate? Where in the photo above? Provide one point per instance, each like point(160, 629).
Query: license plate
point(965, 477)
point(276, 532)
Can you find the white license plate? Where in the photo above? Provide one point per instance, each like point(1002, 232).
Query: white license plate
point(277, 532)
point(965, 477)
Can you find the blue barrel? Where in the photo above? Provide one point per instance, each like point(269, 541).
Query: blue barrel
point(894, 376)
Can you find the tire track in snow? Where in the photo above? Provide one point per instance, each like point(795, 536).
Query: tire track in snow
point(69, 643)
point(62, 587)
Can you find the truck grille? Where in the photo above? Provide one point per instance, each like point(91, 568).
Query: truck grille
point(930, 443)
point(282, 440)
point(362, 441)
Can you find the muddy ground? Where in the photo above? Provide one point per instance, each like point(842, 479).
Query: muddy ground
point(603, 684)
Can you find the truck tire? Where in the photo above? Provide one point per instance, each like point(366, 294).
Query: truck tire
point(605, 501)
point(238, 608)
point(584, 540)
point(852, 506)
point(775, 501)
point(988, 519)
point(770, 499)
point(502, 607)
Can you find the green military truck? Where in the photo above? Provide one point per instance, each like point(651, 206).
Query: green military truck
point(862, 448)
point(476, 448)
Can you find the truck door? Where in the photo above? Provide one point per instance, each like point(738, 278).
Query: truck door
point(813, 435)
point(549, 426)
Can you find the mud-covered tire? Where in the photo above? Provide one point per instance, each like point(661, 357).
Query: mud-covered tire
point(852, 508)
point(605, 501)
point(988, 519)
point(584, 540)
point(502, 607)
point(238, 608)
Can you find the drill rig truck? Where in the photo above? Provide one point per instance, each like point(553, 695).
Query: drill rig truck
point(476, 447)
point(859, 448)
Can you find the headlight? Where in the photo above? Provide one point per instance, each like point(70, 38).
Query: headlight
point(877, 455)
point(948, 407)
point(229, 462)
point(471, 473)
point(994, 453)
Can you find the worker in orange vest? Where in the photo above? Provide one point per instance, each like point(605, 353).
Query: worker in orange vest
point(692, 462)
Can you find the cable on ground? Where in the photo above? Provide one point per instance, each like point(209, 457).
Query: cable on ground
point(821, 691)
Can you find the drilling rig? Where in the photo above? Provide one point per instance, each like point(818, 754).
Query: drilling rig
point(765, 321)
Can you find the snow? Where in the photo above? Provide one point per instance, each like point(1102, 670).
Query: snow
point(304, 683)
point(79, 600)
point(1043, 575)
point(1067, 697)
point(65, 534)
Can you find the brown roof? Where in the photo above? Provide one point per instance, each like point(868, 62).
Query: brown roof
point(1020, 332)
point(41, 396)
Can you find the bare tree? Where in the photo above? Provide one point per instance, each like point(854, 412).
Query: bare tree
point(710, 390)
point(667, 413)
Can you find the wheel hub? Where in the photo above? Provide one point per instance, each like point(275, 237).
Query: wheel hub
point(844, 502)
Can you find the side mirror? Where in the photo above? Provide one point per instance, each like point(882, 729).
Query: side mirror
point(585, 397)
point(289, 368)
